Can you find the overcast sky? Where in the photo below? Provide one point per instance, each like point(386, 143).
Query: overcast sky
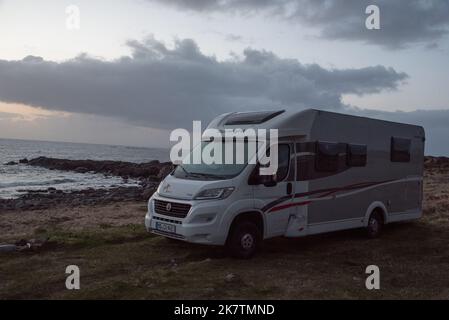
point(136, 69)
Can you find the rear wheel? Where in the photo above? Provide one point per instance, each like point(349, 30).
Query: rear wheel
point(244, 239)
point(375, 224)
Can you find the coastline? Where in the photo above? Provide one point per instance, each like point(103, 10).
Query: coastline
point(147, 174)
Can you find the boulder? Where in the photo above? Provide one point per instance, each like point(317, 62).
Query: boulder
point(165, 171)
point(81, 170)
point(147, 193)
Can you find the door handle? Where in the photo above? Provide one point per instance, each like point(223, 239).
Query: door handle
point(289, 188)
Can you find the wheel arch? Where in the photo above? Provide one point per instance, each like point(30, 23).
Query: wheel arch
point(376, 205)
point(252, 215)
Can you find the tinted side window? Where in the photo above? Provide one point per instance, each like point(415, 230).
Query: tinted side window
point(356, 155)
point(326, 159)
point(400, 149)
point(283, 161)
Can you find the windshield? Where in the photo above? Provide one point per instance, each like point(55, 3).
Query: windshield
point(225, 166)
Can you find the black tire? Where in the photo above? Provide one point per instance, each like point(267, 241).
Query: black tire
point(375, 225)
point(244, 239)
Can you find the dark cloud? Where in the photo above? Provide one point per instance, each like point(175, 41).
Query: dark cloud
point(403, 22)
point(164, 88)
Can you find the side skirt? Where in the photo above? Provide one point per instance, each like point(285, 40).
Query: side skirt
point(330, 226)
point(324, 227)
point(294, 231)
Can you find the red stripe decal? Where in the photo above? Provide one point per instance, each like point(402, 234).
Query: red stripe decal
point(285, 206)
point(328, 192)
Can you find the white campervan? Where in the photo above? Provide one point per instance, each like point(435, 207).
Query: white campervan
point(335, 172)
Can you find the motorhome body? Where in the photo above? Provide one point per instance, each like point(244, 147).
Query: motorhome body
point(335, 172)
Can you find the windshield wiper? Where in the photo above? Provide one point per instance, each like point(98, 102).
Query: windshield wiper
point(185, 171)
point(202, 175)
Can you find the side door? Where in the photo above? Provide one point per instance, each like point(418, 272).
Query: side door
point(304, 161)
point(277, 199)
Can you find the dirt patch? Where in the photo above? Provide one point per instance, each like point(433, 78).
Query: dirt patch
point(17, 225)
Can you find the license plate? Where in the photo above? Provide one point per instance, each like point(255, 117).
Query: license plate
point(165, 227)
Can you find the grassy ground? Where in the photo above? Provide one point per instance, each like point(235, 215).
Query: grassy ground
point(124, 262)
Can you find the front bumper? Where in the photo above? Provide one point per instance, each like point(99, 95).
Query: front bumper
point(202, 223)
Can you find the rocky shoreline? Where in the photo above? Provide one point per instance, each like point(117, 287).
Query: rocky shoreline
point(153, 170)
point(149, 175)
point(440, 163)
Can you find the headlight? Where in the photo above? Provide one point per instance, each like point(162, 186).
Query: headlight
point(218, 193)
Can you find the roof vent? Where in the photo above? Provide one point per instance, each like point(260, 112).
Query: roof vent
point(246, 118)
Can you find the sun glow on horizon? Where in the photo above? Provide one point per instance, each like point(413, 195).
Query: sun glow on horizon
point(22, 112)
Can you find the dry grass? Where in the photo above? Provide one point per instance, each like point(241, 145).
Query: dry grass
point(119, 260)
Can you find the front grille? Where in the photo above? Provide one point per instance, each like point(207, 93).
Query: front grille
point(177, 210)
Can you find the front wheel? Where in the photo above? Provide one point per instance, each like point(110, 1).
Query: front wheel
point(243, 240)
point(375, 224)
